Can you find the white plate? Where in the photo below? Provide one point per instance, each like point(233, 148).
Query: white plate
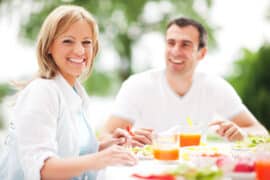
point(242, 176)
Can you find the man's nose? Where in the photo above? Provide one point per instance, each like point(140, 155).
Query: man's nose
point(176, 50)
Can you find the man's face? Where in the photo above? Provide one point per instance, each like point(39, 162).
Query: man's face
point(182, 53)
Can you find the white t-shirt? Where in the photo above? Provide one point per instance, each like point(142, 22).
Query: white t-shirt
point(147, 100)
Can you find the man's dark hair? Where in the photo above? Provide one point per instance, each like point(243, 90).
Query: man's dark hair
point(183, 22)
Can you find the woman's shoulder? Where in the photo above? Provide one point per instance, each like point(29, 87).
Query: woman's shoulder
point(41, 84)
point(40, 87)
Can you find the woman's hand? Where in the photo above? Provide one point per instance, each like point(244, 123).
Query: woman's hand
point(114, 155)
point(229, 130)
point(119, 137)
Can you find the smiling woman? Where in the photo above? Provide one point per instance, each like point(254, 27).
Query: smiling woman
point(72, 51)
point(71, 39)
point(50, 137)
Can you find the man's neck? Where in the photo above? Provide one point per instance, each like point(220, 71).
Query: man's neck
point(179, 84)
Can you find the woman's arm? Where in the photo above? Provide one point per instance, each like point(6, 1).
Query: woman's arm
point(56, 168)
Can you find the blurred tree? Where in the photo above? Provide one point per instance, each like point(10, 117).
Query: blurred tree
point(251, 79)
point(121, 24)
point(4, 91)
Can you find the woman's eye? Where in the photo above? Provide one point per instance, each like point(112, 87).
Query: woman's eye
point(87, 42)
point(67, 41)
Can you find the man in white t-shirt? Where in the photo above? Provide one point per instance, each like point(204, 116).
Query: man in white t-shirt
point(160, 99)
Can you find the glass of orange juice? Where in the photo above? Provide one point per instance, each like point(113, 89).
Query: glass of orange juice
point(166, 147)
point(262, 163)
point(190, 135)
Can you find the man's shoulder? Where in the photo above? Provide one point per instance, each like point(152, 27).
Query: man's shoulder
point(208, 78)
point(143, 81)
point(211, 82)
point(151, 75)
point(146, 77)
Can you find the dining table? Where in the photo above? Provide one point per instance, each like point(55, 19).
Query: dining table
point(150, 166)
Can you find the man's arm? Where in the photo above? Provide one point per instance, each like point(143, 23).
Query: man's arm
point(249, 124)
point(239, 127)
point(116, 122)
point(141, 136)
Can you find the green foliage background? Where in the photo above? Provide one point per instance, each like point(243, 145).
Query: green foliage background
point(251, 79)
point(5, 90)
point(121, 25)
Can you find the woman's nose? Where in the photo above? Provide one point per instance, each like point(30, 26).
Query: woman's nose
point(79, 49)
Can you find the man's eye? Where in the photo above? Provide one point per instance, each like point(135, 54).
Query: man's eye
point(171, 43)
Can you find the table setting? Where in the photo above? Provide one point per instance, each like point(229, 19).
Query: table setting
point(181, 154)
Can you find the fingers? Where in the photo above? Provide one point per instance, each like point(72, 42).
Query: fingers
point(143, 136)
point(118, 132)
point(231, 132)
point(142, 139)
point(140, 136)
point(223, 128)
point(122, 135)
point(120, 155)
point(228, 129)
point(136, 143)
point(114, 141)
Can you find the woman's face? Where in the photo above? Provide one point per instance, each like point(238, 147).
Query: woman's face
point(72, 50)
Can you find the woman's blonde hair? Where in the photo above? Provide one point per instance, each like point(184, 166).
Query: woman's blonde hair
point(56, 23)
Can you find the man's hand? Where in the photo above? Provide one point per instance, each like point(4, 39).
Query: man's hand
point(229, 130)
point(141, 137)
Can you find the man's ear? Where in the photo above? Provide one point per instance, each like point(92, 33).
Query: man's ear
point(202, 53)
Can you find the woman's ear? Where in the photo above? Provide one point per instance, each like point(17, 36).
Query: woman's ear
point(49, 51)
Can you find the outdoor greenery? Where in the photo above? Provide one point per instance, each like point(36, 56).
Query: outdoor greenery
point(5, 90)
point(121, 24)
point(251, 79)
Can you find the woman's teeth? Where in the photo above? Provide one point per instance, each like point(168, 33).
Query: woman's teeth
point(76, 60)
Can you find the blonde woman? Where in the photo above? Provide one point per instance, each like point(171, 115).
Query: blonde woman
point(51, 137)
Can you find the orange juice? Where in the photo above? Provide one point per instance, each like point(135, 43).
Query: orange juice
point(166, 154)
point(189, 139)
point(262, 168)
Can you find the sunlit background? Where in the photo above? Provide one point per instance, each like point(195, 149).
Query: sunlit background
point(132, 40)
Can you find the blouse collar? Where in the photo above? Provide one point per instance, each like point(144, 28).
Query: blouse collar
point(75, 99)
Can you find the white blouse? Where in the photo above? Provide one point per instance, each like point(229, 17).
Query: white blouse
point(44, 126)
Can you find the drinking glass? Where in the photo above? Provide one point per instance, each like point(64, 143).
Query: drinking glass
point(166, 147)
point(190, 135)
point(262, 163)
